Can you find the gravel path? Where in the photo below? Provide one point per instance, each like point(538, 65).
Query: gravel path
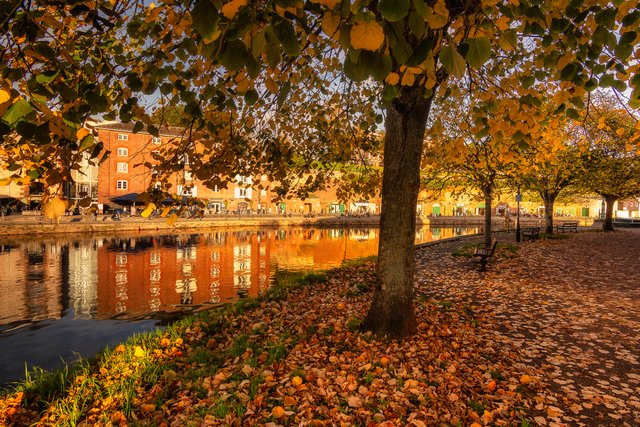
point(570, 310)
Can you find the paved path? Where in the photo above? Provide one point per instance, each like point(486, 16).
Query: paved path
point(569, 309)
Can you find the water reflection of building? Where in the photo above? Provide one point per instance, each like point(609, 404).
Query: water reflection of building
point(83, 281)
point(31, 282)
point(153, 273)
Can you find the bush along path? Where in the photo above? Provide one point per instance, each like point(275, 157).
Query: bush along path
point(293, 357)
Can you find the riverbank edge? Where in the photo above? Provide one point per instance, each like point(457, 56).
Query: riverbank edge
point(18, 226)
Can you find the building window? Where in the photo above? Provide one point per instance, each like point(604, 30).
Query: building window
point(156, 140)
point(123, 137)
point(123, 167)
point(122, 184)
point(123, 152)
point(244, 180)
point(242, 192)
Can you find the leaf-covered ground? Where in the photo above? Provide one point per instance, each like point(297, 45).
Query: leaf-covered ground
point(570, 309)
point(548, 337)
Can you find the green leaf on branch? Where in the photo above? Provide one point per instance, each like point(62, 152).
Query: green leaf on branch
point(355, 70)
point(17, 112)
point(452, 61)
point(283, 94)
point(393, 10)
point(205, 19)
point(251, 97)
point(479, 51)
point(87, 142)
point(232, 55)
point(287, 37)
point(606, 80)
point(138, 127)
point(45, 79)
point(377, 64)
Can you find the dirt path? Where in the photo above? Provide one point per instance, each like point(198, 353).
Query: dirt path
point(571, 310)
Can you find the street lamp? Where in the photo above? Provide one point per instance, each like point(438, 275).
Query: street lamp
point(518, 199)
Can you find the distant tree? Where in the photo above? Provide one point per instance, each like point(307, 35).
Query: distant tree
point(551, 164)
point(613, 162)
point(463, 156)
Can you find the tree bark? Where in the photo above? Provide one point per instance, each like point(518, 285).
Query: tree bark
point(391, 312)
point(487, 191)
point(608, 218)
point(549, 199)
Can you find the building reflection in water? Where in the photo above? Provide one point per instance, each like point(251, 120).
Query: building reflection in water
point(127, 276)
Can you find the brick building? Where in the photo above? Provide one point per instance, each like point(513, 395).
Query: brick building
point(123, 174)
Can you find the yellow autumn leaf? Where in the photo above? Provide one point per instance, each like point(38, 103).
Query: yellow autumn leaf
point(138, 352)
point(148, 210)
point(408, 79)
point(330, 25)
point(367, 35)
point(392, 79)
point(82, 133)
point(503, 23)
point(271, 85)
point(54, 208)
point(4, 96)
point(231, 9)
point(278, 412)
point(438, 17)
point(620, 132)
point(172, 219)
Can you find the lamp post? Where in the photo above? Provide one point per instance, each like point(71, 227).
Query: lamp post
point(518, 199)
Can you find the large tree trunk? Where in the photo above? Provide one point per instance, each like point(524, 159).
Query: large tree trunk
point(487, 191)
point(391, 312)
point(549, 199)
point(608, 218)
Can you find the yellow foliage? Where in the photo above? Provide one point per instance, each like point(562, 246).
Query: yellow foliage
point(172, 219)
point(296, 381)
point(148, 210)
point(392, 79)
point(4, 96)
point(525, 379)
point(367, 35)
point(138, 352)
point(54, 208)
point(278, 412)
point(408, 79)
point(231, 9)
point(82, 132)
point(439, 16)
point(330, 24)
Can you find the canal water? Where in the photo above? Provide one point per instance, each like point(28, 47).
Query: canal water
point(61, 298)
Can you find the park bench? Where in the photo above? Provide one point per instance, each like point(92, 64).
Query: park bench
point(485, 253)
point(567, 226)
point(530, 233)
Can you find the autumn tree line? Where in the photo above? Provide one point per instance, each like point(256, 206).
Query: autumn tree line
point(479, 88)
